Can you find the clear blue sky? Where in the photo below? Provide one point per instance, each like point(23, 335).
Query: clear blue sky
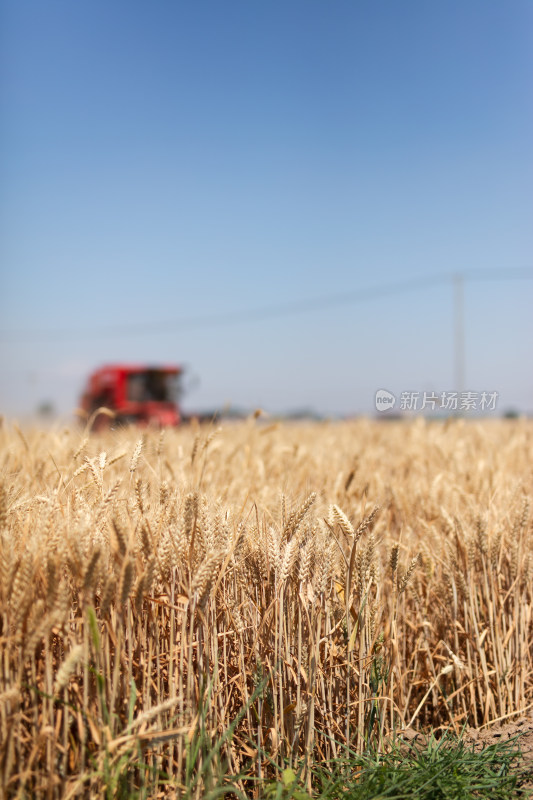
point(163, 163)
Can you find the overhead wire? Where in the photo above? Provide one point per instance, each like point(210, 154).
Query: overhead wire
point(273, 311)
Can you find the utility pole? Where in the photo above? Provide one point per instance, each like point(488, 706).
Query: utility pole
point(459, 332)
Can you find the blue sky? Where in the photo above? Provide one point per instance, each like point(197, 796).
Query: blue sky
point(167, 163)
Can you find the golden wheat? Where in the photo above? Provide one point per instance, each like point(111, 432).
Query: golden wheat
point(138, 598)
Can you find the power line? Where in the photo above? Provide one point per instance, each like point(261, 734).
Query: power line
point(260, 313)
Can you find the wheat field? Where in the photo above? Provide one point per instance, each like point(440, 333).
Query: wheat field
point(279, 591)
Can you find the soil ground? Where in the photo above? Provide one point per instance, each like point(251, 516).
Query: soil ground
point(521, 728)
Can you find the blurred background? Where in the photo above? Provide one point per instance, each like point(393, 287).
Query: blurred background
point(300, 202)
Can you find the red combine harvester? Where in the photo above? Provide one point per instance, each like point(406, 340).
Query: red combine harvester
point(135, 393)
